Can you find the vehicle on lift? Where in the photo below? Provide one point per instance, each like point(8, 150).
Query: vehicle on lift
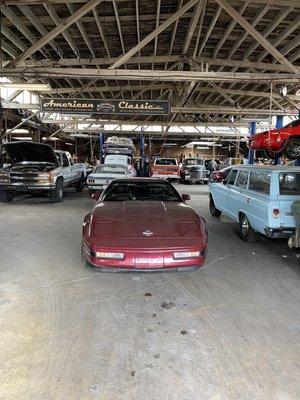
point(221, 175)
point(276, 142)
point(259, 198)
point(165, 168)
point(119, 145)
point(143, 224)
point(35, 168)
point(194, 170)
point(102, 175)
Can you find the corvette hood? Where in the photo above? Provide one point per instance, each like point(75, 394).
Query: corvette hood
point(147, 220)
point(30, 152)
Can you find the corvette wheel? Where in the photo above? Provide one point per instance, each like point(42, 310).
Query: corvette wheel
point(292, 150)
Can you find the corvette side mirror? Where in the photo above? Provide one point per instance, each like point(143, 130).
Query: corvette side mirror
point(96, 196)
point(186, 197)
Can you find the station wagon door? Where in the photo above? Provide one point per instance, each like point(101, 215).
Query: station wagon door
point(289, 191)
point(237, 196)
point(259, 203)
point(221, 192)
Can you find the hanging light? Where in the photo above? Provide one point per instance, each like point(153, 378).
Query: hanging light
point(35, 87)
point(283, 91)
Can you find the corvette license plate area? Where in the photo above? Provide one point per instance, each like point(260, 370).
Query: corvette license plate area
point(154, 260)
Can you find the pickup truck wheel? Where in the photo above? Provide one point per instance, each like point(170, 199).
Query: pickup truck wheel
point(212, 208)
point(246, 231)
point(292, 150)
point(57, 194)
point(79, 185)
point(6, 196)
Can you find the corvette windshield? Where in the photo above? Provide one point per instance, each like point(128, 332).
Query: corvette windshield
point(141, 191)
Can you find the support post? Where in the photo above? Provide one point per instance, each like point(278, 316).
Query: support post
point(252, 130)
point(101, 147)
point(279, 124)
point(142, 153)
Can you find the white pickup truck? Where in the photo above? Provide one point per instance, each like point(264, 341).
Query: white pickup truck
point(35, 167)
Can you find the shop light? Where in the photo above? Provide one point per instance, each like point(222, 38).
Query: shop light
point(202, 148)
point(36, 87)
point(169, 144)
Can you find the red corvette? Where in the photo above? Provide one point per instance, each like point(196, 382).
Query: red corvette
point(285, 141)
point(143, 224)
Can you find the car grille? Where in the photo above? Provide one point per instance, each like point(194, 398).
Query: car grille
point(25, 179)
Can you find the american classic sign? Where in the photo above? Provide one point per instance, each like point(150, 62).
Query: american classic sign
point(123, 107)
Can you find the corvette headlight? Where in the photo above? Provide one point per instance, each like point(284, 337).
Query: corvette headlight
point(110, 256)
point(178, 255)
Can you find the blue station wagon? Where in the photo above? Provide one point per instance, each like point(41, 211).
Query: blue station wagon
point(259, 198)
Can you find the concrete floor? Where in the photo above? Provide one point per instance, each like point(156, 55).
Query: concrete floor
point(227, 332)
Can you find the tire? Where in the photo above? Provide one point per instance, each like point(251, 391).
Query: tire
point(292, 150)
point(6, 196)
point(212, 208)
point(91, 192)
point(57, 194)
point(79, 185)
point(246, 232)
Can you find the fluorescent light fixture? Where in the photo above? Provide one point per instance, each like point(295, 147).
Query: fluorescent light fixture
point(20, 131)
point(27, 139)
point(36, 87)
point(202, 148)
point(169, 144)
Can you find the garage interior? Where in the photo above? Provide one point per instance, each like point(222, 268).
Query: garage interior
point(229, 330)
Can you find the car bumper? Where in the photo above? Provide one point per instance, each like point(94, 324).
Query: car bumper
point(98, 188)
point(135, 261)
point(165, 176)
point(27, 188)
point(279, 233)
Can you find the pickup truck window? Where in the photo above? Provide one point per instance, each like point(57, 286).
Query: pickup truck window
point(242, 179)
point(289, 183)
point(65, 161)
point(231, 177)
point(165, 161)
point(260, 181)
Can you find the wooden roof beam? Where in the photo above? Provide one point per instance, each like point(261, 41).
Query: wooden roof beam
point(256, 35)
point(58, 30)
point(124, 58)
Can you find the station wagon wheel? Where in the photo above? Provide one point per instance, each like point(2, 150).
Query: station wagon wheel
point(212, 207)
point(246, 231)
point(292, 150)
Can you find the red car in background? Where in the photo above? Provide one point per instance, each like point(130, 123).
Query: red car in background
point(142, 224)
point(284, 141)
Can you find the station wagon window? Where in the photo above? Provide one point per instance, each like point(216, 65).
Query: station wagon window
point(289, 183)
point(231, 177)
point(260, 181)
point(242, 179)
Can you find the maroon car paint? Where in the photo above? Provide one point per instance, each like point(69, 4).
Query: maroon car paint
point(119, 227)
